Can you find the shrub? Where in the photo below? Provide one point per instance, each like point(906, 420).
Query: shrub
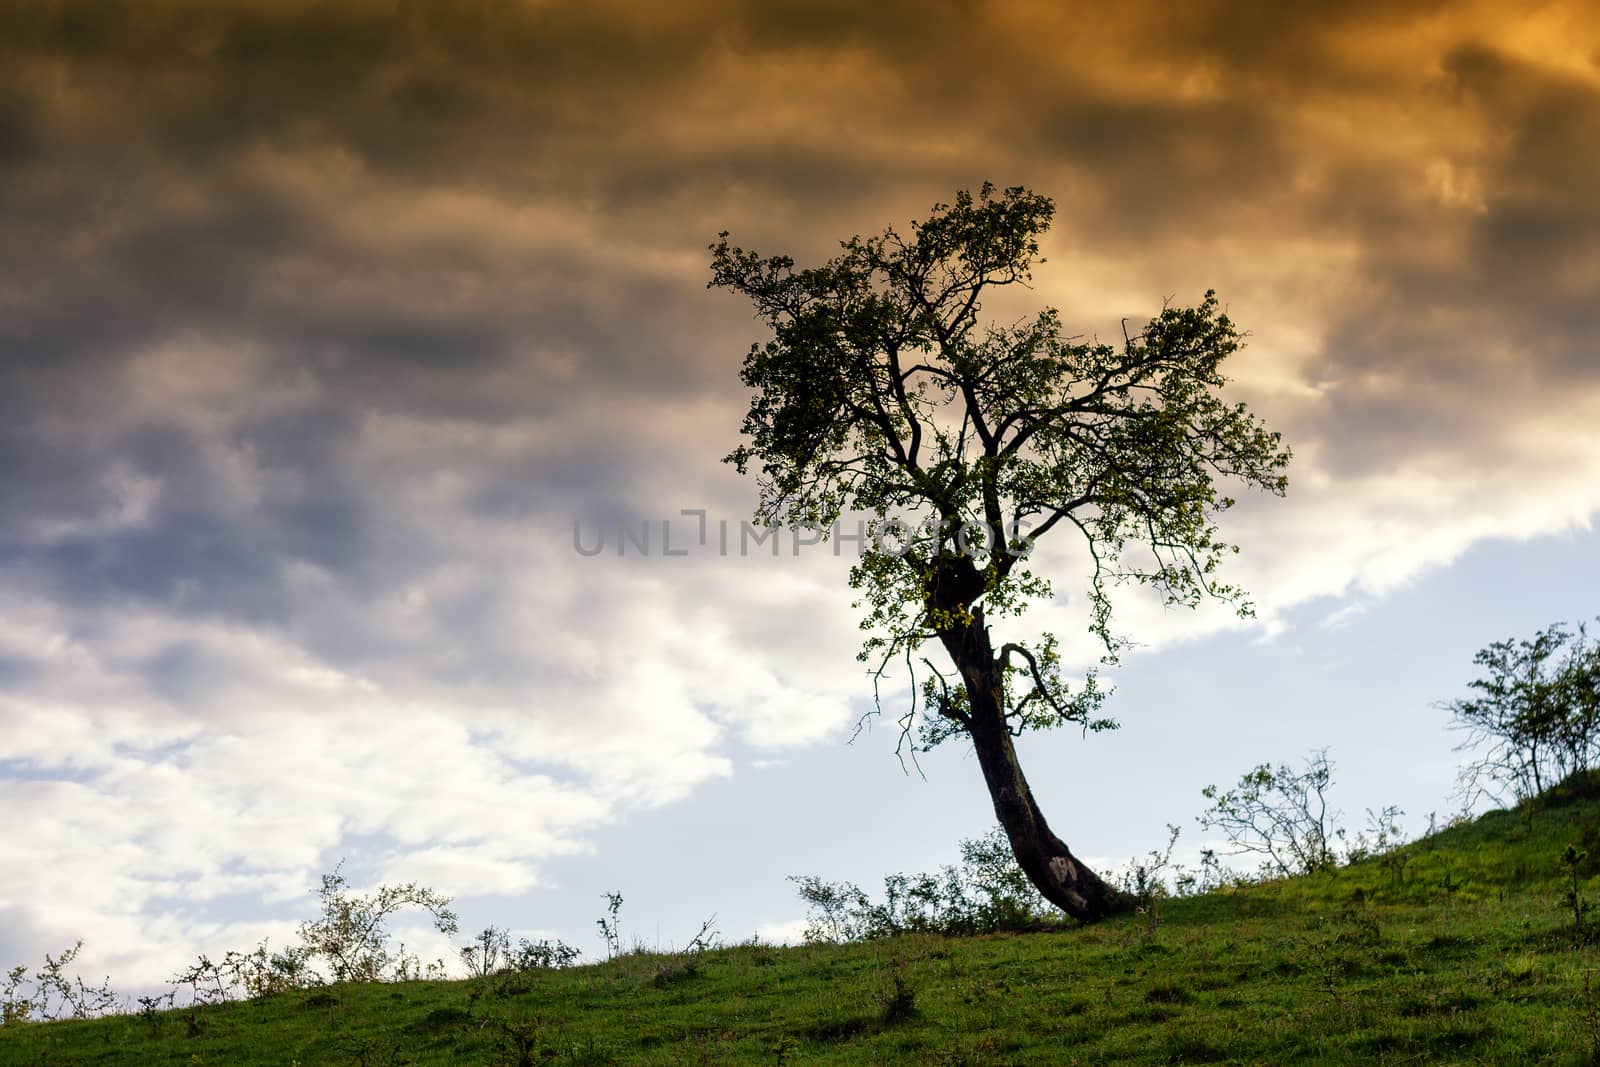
point(351, 935)
point(987, 892)
point(1279, 814)
point(1535, 720)
point(51, 994)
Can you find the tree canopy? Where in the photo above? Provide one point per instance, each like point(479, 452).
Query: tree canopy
point(881, 390)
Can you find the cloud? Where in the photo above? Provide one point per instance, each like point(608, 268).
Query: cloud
point(321, 325)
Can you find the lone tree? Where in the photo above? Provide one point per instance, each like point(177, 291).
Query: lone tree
point(880, 392)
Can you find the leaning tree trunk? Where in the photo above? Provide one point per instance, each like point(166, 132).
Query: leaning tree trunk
point(1060, 877)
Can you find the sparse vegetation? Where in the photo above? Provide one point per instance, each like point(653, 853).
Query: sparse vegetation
point(1574, 861)
point(1144, 881)
point(988, 892)
point(1535, 721)
point(51, 993)
point(1474, 942)
point(348, 942)
point(352, 937)
point(609, 924)
point(1351, 965)
point(1279, 814)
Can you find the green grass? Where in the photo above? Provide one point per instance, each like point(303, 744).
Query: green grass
point(1463, 954)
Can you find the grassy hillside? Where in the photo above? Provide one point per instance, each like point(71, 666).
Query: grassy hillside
point(1457, 948)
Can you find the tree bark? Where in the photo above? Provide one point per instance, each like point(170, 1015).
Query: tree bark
point(1060, 877)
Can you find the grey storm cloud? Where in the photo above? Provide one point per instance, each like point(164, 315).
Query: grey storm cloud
point(321, 323)
point(493, 215)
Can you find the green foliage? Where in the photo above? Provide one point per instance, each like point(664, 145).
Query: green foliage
point(348, 942)
point(1380, 838)
point(542, 955)
point(258, 973)
point(52, 993)
point(1573, 862)
point(988, 892)
point(349, 939)
point(881, 392)
point(351, 935)
point(491, 953)
point(1535, 720)
point(15, 1005)
point(1279, 814)
point(502, 971)
point(610, 929)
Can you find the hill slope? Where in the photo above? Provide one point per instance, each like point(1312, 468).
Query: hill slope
point(1456, 948)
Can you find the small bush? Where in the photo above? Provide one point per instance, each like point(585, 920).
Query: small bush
point(988, 892)
point(52, 994)
point(351, 935)
point(1279, 814)
point(1573, 860)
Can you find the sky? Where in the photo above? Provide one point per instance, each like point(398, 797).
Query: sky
point(322, 325)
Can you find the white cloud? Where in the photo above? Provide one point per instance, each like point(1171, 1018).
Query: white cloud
point(783, 932)
point(289, 482)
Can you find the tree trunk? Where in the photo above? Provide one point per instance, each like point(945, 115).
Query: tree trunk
point(1060, 876)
